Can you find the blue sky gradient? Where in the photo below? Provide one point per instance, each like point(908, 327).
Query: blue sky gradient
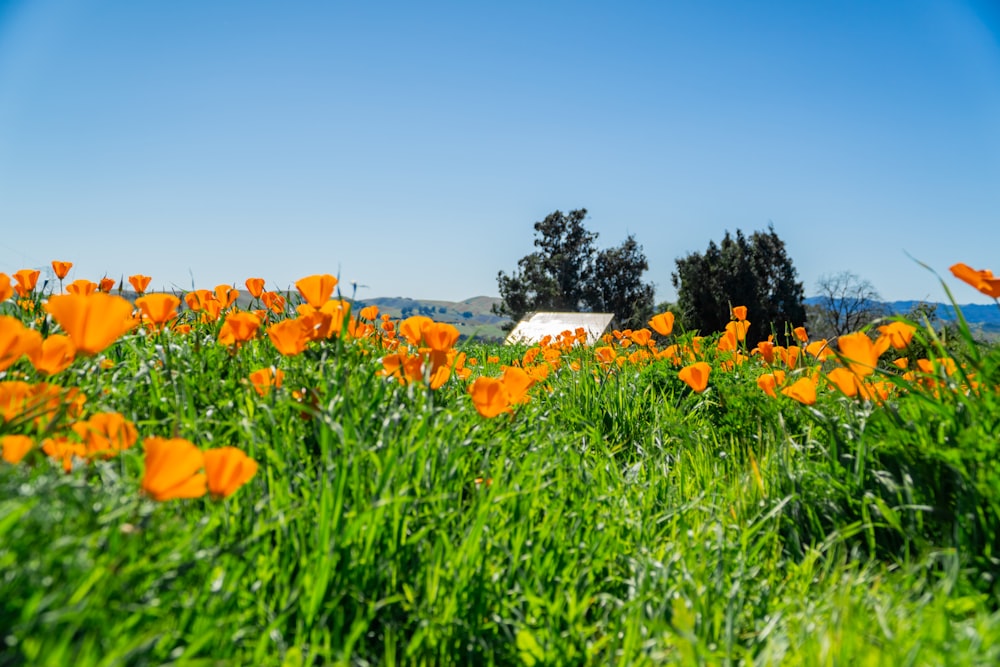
point(410, 147)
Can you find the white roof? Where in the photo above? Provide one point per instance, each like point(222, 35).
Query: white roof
point(536, 326)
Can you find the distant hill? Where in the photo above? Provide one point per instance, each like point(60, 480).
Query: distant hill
point(473, 317)
point(985, 317)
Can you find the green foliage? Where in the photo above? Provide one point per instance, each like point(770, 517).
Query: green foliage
point(754, 272)
point(569, 274)
point(616, 518)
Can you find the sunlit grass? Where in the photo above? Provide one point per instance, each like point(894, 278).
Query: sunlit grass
point(414, 499)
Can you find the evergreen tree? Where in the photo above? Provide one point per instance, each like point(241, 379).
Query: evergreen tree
point(568, 274)
point(755, 272)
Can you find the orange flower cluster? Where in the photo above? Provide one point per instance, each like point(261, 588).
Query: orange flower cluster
point(428, 356)
point(418, 349)
point(176, 468)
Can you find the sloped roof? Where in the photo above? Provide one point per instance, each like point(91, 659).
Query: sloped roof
point(536, 326)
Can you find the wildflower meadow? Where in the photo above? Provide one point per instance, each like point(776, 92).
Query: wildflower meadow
point(299, 480)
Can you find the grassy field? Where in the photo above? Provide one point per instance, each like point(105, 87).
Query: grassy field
point(416, 503)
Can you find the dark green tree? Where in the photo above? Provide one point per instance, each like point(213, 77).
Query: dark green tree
point(616, 285)
point(567, 273)
point(755, 272)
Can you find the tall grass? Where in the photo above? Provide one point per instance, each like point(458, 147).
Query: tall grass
point(616, 518)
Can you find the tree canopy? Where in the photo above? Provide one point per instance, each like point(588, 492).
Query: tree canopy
point(568, 273)
point(755, 272)
point(847, 302)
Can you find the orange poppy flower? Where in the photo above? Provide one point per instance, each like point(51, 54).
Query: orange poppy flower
point(489, 396)
point(53, 355)
point(196, 299)
point(226, 295)
point(26, 281)
point(16, 340)
point(517, 382)
point(899, 334)
point(61, 268)
point(740, 313)
point(789, 356)
point(82, 286)
point(40, 401)
point(227, 469)
point(412, 328)
point(316, 289)
point(288, 337)
point(316, 324)
point(696, 375)
point(265, 378)
point(859, 352)
point(158, 309)
point(106, 284)
point(641, 337)
point(64, 450)
point(605, 355)
point(800, 333)
point(981, 280)
point(140, 283)
point(173, 468)
point(106, 433)
point(802, 390)
point(369, 313)
point(738, 328)
point(819, 349)
point(440, 368)
point(769, 381)
point(338, 310)
point(239, 327)
point(439, 336)
point(93, 321)
point(765, 348)
point(255, 286)
point(845, 381)
point(274, 301)
point(6, 291)
point(15, 447)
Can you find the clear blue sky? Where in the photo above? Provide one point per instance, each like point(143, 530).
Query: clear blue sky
point(410, 147)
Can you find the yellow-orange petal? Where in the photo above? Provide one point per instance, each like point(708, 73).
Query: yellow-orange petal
point(15, 447)
point(16, 340)
point(255, 286)
point(696, 375)
point(289, 337)
point(802, 390)
point(517, 382)
point(489, 396)
point(172, 469)
point(316, 289)
point(53, 355)
point(226, 470)
point(412, 328)
point(139, 282)
point(662, 324)
point(6, 290)
point(61, 268)
point(158, 308)
point(93, 321)
point(859, 352)
point(767, 382)
point(439, 336)
point(845, 381)
point(899, 334)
